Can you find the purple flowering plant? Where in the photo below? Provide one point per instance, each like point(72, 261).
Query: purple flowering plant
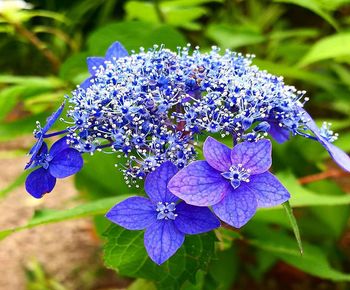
point(150, 111)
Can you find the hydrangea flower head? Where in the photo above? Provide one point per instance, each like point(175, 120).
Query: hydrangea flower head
point(166, 219)
point(150, 106)
point(234, 181)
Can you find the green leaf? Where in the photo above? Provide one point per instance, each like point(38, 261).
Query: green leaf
point(125, 253)
point(228, 36)
point(225, 268)
point(304, 197)
point(144, 34)
point(318, 79)
point(176, 13)
point(334, 46)
point(334, 219)
point(314, 260)
point(32, 81)
point(47, 216)
point(294, 224)
point(141, 284)
point(74, 68)
point(99, 176)
point(8, 99)
point(314, 6)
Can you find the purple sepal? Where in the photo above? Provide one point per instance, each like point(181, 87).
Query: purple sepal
point(66, 163)
point(134, 213)
point(278, 133)
point(199, 184)
point(217, 154)
point(193, 220)
point(40, 147)
point(52, 119)
point(268, 190)
point(156, 183)
point(59, 146)
point(94, 63)
point(162, 240)
point(338, 155)
point(39, 182)
point(116, 50)
point(237, 207)
point(87, 83)
point(255, 156)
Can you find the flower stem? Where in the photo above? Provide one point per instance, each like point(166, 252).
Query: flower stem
point(159, 12)
point(35, 41)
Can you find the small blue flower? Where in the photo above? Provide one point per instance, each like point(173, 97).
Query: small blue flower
point(166, 219)
point(39, 134)
point(326, 137)
point(60, 162)
point(235, 182)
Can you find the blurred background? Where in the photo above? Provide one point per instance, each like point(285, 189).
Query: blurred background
point(43, 49)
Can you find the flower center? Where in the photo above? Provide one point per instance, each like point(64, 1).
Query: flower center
point(166, 211)
point(327, 133)
point(237, 174)
point(43, 160)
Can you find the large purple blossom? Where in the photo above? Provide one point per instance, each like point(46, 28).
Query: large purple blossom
point(166, 219)
point(235, 182)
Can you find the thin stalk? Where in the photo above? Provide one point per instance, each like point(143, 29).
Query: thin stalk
point(159, 12)
point(35, 41)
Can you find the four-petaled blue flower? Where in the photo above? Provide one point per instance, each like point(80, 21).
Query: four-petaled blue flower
point(166, 219)
point(40, 133)
point(60, 162)
point(234, 182)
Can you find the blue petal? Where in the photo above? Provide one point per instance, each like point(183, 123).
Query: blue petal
point(199, 184)
point(39, 182)
point(195, 220)
point(134, 213)
point(59, 146)
point(66, 163)
point(39, 148)
point(52, 119)
point(94, 63)
point(116, 50)
point(255, 156)
point(217, 154)
point(156, 183)
point(237, 207)
point(268, 190)
point(87, 83)
point(162, 240)
point(338, 155)
point(278, 133)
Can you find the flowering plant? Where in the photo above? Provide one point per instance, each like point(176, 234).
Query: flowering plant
point(162, 113)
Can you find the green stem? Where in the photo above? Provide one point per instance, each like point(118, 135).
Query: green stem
point(159, 12)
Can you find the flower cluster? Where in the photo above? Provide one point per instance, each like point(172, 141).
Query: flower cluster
point(150, 108)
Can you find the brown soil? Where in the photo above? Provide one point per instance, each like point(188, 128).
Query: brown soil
point(64, 249)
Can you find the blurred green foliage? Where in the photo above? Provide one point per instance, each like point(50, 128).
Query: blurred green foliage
point(44, 49)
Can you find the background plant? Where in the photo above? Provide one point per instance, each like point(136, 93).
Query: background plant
point(307, 42)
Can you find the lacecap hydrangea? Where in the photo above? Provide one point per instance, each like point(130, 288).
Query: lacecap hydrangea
point(149, 110)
